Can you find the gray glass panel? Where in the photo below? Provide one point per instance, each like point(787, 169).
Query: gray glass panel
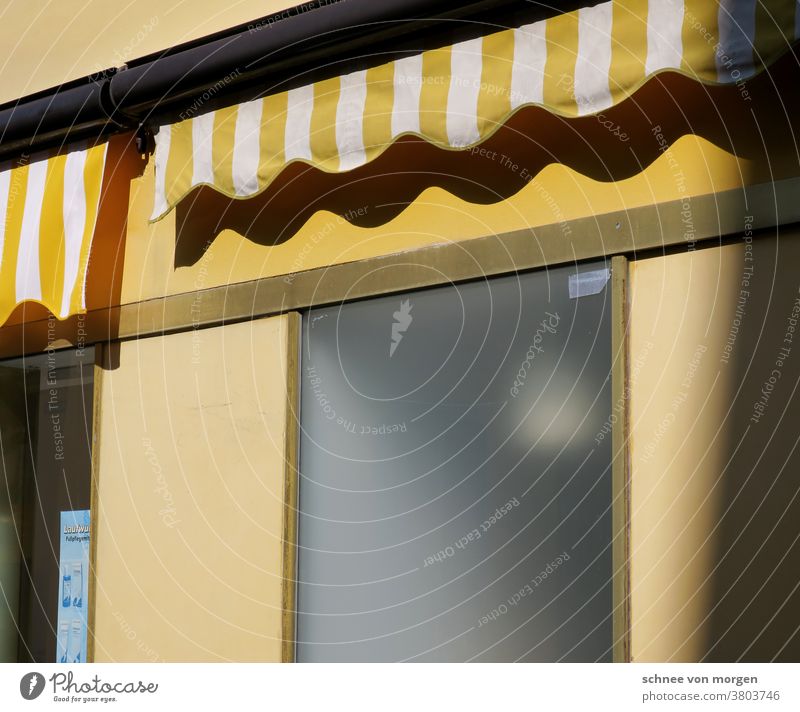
point(455, 492)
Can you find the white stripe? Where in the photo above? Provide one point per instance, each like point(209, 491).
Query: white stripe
point(593, 62)
point(350, 120)
point(527, 71)
point(246, 147)
point(664, 38)
point(737, 31)
point(29, 285)
point(407, 89)
point(5, 183)
point(160, 205)
point(298, 123)
point(466, 63)
point(202, 144)
point(74, 223)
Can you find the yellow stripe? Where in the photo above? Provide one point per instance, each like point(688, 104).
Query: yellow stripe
point(433, 96)
point(179, 162)
point(378, 109)
point(628, 47)
point(494, 99)
point(92, 185)
point(561, 36)
point(273, 133)
point(323, 124)
point(774, 31)
point(51, 235)
point(222, 147)
point(700, 36)
point(15, 209)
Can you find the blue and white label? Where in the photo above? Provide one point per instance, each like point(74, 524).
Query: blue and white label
point(73, 588)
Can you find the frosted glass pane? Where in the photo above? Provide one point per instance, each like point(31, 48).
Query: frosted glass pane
point(455, 486)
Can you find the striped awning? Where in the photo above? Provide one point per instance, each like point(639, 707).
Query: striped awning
point(573, 64)
point(48, 211)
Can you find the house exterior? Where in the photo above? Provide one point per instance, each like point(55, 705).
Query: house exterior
point(400, 332)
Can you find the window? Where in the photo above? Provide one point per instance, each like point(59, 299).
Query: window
point(46, 436)
point(455, 490)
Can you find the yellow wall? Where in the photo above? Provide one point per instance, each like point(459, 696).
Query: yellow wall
point(87, 36)
point(190, 465)
point(714, 495)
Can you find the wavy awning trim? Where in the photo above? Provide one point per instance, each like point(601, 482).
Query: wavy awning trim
point(574, 64)
point(48, 212)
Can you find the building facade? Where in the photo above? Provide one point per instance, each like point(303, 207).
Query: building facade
point(401, 333)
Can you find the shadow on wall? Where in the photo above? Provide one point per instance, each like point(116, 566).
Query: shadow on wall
point(612, 146)
point(754, 581)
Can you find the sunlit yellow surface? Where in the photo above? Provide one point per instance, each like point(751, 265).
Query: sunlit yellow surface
point(46, 43)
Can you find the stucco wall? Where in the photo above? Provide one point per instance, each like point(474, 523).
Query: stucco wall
point(714, 418)
point(190, 477)
point(84, 37)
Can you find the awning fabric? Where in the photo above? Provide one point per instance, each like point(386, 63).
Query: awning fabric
point(574, 64)
point(48, 211)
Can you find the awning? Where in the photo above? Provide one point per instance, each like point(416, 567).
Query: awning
point(573, 64)
point(48, 211)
